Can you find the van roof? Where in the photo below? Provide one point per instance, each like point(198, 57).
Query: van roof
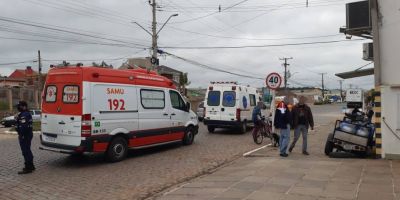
point(123, 76)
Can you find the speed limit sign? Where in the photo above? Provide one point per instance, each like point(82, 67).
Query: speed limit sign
point(273, 81)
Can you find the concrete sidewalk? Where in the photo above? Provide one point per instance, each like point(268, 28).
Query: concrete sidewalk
point(265, 175)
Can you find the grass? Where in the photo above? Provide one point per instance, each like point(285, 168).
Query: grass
point(36, 127)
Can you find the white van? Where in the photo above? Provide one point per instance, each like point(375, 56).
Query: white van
point(229, 105)
point(90, 109)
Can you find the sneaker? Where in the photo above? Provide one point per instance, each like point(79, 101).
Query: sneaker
point(284, 155)
point(306, 153)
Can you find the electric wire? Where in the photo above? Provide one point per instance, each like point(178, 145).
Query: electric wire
point(256, 46)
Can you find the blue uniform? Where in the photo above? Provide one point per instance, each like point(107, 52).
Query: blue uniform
point(25, 135)
point(256, 115)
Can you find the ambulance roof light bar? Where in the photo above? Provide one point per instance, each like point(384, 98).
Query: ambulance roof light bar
point(224, 82)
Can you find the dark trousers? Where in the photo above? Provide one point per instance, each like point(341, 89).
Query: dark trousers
point(25, 144)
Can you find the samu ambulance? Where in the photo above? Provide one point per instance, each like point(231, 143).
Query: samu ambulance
point(229, 105)
point(91, 109)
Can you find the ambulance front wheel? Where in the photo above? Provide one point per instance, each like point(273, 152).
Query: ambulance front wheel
point(188, 138)
point(117, 150)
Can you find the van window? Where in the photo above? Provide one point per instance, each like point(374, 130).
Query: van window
point(51, 94)
point(71, 94)
point(252, 100)
point(152, 99)
point(177, 101)
point(229, 99)
point(213, 98)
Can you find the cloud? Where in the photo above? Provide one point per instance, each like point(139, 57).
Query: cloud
point(113, 19)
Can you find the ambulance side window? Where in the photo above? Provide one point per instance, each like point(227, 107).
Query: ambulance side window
point(252, 100)
point(177, 101)
point(152, 99)
point(51, 94)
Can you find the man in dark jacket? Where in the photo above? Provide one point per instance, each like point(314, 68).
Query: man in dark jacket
point(302, 120)
point(283, 121)
point(25, 135)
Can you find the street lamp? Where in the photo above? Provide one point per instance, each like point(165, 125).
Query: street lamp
point(154, 36)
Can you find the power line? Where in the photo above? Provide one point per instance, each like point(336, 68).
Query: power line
point(19, 62)
point(246, 38)
point(259, 46)
point(204, 66)
point(210, 14)
point(32, 24)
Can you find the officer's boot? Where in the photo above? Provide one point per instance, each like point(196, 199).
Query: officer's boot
point(31, 166)
point(26, 170)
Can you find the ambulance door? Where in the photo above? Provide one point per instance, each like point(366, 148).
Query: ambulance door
point(179, 114)
point(154, 117)
point(229, 103)
point(114, 108)
point(213, 104)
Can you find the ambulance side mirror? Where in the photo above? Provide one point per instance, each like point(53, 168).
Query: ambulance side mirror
point(187, 106)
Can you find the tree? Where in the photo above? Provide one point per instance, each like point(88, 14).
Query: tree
point(183, 81)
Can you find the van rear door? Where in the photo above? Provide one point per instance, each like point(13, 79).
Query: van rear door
point(228, 110)
point(213, 105)
point(62, 107)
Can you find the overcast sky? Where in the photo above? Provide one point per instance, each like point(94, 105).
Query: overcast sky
point(107, 33)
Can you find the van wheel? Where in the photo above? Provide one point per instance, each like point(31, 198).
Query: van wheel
point(211, 129)
point(329, 145)
point(243, 128)
point(117, 150)
point(188, 138)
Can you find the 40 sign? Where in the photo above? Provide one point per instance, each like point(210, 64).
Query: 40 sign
point(273, 81)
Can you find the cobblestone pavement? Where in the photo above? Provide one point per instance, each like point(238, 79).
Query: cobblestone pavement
point(60, 176)
point(264, 175)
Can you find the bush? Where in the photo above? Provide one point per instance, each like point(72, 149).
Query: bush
point(3, 106)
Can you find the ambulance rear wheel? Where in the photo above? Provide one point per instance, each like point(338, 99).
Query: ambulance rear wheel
point(117, 150)
point(211, 129)
point(243, 127)
point(188, 138)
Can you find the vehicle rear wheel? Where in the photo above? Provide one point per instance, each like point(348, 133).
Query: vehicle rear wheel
point(117, 150)
point(243, 128)
point(188, 138)
point(211, 129)
point(329, 144)
point(257, 137)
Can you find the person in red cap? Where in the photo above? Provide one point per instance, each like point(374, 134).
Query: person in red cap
point(283, 121)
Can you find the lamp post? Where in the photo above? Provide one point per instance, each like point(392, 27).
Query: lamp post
point(154, 36)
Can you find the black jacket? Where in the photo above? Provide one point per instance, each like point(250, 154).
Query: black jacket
point(308, 117)
point(281, 120)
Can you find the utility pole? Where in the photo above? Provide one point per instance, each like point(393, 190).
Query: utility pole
point(40, 79)
point(154, 59)
point(341, 89)
point(285, 65)
point(323, 86)
point(154, 33)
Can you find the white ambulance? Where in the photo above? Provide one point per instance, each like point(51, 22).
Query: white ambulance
point(229, 105)
point(91, 109)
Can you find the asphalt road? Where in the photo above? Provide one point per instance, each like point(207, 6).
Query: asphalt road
point(141, 175)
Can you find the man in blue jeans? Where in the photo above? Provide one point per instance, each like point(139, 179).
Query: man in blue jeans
point(283, 121)
point(302, 120)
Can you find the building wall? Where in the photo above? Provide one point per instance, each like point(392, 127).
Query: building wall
point(389, 32)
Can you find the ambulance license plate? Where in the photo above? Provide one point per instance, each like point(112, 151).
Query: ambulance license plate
point(49, 138)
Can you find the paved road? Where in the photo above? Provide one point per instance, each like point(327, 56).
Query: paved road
point(144, 173)
point(265, 175)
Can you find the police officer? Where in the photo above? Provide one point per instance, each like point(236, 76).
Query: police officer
point(25, 135)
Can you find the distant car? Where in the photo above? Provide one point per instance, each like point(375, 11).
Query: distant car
point(200, 111)
point(10, 120)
